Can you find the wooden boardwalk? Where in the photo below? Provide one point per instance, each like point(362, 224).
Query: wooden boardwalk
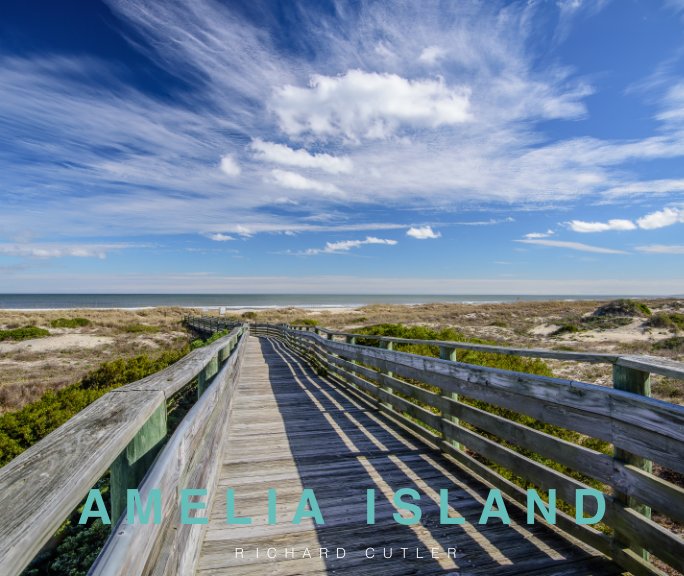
point(291, 429)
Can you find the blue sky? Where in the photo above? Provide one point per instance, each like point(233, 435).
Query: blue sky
point(392, 147)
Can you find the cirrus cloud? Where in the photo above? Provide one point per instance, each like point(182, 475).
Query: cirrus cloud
point(571, 246)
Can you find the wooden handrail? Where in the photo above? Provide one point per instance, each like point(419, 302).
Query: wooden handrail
point(642, 429)
point(651, 364)
point(44, 484)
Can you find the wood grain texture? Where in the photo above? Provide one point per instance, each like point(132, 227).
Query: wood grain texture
point(44, 484)
point(291, 428)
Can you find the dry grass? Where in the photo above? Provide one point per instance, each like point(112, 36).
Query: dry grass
point(524, 324)
point(28, 370)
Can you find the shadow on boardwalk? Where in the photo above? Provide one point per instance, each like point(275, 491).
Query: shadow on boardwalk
point(341, 448)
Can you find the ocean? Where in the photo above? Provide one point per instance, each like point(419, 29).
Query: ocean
point(233, 301)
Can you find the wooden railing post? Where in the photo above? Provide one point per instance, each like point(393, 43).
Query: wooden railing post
point(205, 376)
point(132, 464)
point(637, 382)
point(387, 345)
point(448, 353)
point(349, 339)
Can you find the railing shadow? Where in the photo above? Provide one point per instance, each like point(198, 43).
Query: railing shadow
point(341, 448)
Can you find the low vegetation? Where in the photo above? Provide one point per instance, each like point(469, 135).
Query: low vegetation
point(624, 307)
point(674, 344)
point(612, 315)
point(305, 322)
point(140, 329)
point(23, 428)
point(673, 321)
point(70, 322)
point(25, 333)
point(74, 547)
point(574, 325)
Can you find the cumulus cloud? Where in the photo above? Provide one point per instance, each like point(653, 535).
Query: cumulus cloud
point(60, 250)
point(346, 245)
point(616, 224)
point(661, 249)
point(368, 105)
point(219, 237)
point(422, 233)
point(296, 181)
point(229, 166)
point(661, 218)
point(282, 154)
point(571, 246)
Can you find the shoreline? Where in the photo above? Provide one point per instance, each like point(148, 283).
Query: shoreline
point(269, 302)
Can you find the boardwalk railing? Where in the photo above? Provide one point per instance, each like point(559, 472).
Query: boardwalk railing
point(426, 395)
point(124, 431)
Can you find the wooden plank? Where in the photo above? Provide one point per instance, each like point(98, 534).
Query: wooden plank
point(185, 461)
point(645, 426)
point(637, 382)
point(661, 494)
point(646, 363)
point(346, 522)
point(44, 484)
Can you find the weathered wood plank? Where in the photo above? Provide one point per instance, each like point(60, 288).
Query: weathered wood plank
point(338, 474)
point(187, 460)
point(648, 427)
point(43, 485)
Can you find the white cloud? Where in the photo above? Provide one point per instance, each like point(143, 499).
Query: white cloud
point(229, 166)
point(219, 237)
point(282, 154)
point(533, 235)
point(615, 224)
point(346, 245)
point(155, 163)
point(571, 246)
point(432, 54)
point(422, 233)
point(368, 105)
point(661, 218)
point(53, 250)
point(661, 249)
point(296, 181)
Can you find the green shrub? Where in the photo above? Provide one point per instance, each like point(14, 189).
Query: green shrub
point(199, 343)
point(70, 323)
point(22, 428)
point(574, 325)
point(676, 344)
point(623, 307)
point(503, 361)
point(25, 333)
point(671, 320)
point(566, 328)
point(305, 322)
point(249, 315)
